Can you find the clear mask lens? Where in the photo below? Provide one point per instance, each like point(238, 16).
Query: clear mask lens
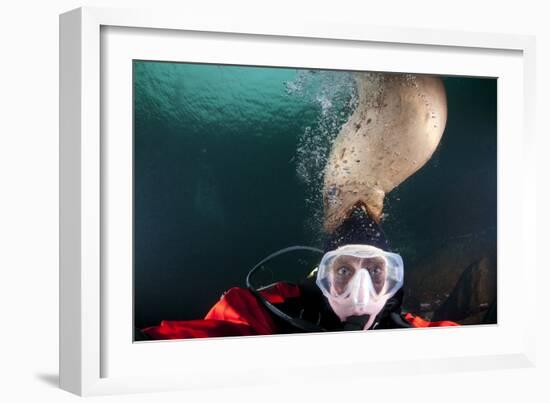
point(360, 273)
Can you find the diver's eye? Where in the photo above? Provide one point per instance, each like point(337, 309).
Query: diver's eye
point(343, 271)
point(375, 271)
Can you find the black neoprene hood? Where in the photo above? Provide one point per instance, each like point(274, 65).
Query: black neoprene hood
point(358, 228)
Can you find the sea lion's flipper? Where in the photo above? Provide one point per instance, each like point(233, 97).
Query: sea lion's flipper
point(392, 133)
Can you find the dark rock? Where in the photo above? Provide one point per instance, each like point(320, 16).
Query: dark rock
point(455, 282)
point(472, 294)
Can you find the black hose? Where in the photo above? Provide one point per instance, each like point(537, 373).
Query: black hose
point(296, 322)
point(398, 320)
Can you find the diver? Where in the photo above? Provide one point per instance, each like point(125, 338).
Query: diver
point(357, 284)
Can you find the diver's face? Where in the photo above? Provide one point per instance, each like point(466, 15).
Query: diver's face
point(344, 269)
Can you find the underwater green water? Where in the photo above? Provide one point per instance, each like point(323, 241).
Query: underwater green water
point(228, 168)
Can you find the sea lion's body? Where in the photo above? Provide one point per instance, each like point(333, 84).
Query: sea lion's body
point(393, 132)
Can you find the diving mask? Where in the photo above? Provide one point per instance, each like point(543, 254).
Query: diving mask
point(359, 279)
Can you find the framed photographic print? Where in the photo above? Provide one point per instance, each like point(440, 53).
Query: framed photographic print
point(256, 195)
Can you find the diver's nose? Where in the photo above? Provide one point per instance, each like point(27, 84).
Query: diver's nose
point(362, 295)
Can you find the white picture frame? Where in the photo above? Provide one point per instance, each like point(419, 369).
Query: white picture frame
point(97, 355)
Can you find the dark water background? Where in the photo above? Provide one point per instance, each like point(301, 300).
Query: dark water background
point(228, 166)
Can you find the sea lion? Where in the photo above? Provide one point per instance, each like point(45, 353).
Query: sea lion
point(392, 133)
